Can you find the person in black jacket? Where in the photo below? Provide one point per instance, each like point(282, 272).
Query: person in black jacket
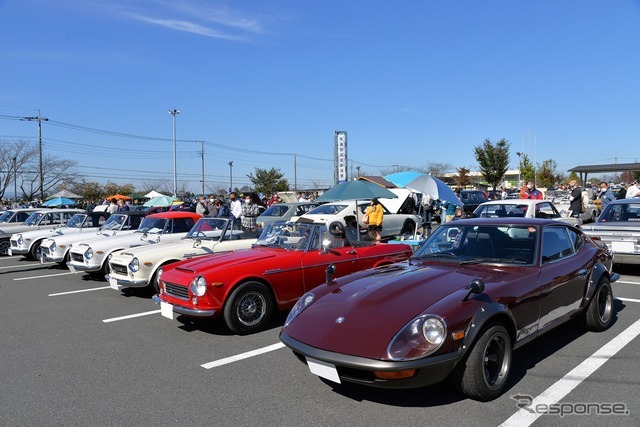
point(575, 199)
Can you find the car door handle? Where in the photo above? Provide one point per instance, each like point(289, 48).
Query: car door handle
point(352, 252)
point(582, 272)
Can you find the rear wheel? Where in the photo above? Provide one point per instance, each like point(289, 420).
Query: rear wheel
point(248, 308)
point(484, 374)
point(409, 227)
point(4, 246)
point(600, 310)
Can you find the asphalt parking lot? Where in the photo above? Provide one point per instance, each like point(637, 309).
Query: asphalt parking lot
point(76, 352)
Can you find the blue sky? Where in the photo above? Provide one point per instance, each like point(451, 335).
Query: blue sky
point(411, 82)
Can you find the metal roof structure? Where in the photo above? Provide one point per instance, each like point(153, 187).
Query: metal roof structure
point(611, 167)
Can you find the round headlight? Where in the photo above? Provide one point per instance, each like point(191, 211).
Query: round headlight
point(52, 247)
point(198, 286)
point(88, 254)
point(419, 338)
point(19, 240)
point(304, 302)
point(134, 265)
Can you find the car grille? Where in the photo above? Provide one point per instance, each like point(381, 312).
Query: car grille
point(176, 290)
point(45, 250)
point(76, 257)
point(14, 244)
point(119, 269)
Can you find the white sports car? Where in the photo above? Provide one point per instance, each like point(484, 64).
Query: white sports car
point(138, 267)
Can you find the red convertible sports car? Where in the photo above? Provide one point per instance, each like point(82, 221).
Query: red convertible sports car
point(245, 287)
point(473, 292)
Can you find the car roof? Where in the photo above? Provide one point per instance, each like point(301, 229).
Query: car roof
point(176, 214)
point(512, 201)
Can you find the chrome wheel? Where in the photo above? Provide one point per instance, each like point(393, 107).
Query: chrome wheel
point(251, 308)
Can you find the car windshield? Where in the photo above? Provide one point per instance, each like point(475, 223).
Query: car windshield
point(152, 225)
point(620, 212)
point(291, 236)
point(471, 244)
point(6, 216)
point(114, 222)
point(501, 210)
point(276, 211)
point(327, 210)
point(76, 220)
point(34, 218)
point(209, 229)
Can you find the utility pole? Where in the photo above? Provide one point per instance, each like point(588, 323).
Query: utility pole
point(174, 113)
point(39, 119)
point(15, 179)
point(230, 176)
point(295, 172)
point(202, 158)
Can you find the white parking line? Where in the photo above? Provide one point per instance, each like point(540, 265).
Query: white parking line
point(626, 282)
point(627, 299)
point(573, 379)
point(242, 356)
point(42, 277)
point(81, 290)
point(6, 267)
point(131, 316)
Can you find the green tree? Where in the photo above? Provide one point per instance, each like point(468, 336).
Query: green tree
point(493, 160)
point(547, 176)
point(527, 171)
point(89, 190)
point(268, 181)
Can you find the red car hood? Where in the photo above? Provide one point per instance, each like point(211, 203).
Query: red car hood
point(375, 307)
point(200, 265)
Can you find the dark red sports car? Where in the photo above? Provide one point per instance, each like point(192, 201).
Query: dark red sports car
point(245, 287)
point(474, 291)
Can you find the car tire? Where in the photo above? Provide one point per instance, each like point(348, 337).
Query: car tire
point(35, 250)
point(599, 314)
point(409, 227)
point(4, 247)
point(483, 375)
point(248, 308)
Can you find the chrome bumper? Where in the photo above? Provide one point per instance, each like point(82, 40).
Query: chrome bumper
point(186, 311)
point(82, 267)
point(127, 283)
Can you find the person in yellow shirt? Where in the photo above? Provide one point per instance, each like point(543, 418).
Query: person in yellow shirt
point(375, 212)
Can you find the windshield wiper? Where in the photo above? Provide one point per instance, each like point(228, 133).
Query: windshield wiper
point(437, 255)
point(481, 260)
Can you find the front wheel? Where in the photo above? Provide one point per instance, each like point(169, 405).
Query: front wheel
point(249, 308)
point(35, 250)
point(4, 247)
point(600, 310)
point(485, 372)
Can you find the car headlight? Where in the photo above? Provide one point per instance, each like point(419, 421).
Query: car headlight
point(422, 336)
point(158, 274)
point(134, 265)
point(88, 254)
point(52, 247)
point(304, 302)
point(198, 286)
point(19, 240)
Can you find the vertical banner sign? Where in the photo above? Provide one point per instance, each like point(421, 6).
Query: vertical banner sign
point(340, 157)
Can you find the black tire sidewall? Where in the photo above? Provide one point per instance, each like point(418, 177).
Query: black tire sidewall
point(230, 308)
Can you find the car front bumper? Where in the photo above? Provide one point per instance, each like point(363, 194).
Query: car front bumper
point(127, 283)
point(192, 312)
point(356, 369)
point(83, 267)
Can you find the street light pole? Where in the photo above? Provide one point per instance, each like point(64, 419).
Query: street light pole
point(174, 113)
point(230, 176)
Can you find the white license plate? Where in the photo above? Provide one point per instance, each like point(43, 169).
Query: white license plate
point(625, 247)
point(114, 284)
point(323, 369)
point(166, 310)
point(9, 252)
point(72, 268)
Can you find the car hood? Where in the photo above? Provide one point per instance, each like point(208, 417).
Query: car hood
point(201, 265)
point(144, 252)
point(51, 233)
point(373, 308)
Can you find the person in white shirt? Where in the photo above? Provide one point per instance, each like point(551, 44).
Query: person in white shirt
point(235, 206)
point(633, 190)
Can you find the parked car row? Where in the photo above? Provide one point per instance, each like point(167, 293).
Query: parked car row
point(365, 312)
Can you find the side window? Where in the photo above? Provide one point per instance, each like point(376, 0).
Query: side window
point(576, 238)
point(555, 244)
point(546, 210)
